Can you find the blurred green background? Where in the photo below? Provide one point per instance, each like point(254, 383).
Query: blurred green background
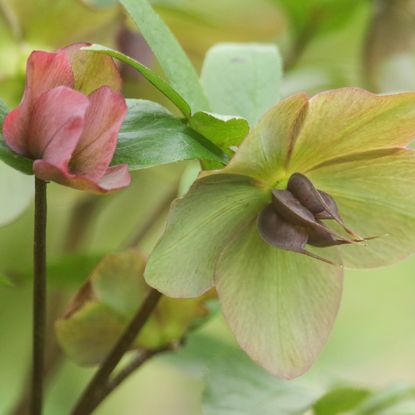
point(325, 44)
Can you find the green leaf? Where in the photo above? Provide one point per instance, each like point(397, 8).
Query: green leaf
point(236, 386)
point(151, 136)
point(8, 156)
point(199, 225)
point(242, 79)
point(151, 76)
point(16, 193)
point(340, 400)
point(107, 302)
point(318, 16)
point(281, 306)
point(169, 53)
point(398, 399)
point(227, 132)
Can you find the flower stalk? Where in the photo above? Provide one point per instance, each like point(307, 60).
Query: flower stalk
point(39, 296)
point(86, 403)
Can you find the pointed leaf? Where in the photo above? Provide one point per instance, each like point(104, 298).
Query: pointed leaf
point(169, 53)
point(280, 305)
point(151, 76)
point(151, 136)
point(198, 227)
point(242, 79)
point(227, 132)
point(375, 196)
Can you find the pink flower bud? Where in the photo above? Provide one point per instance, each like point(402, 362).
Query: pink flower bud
point(69, 118)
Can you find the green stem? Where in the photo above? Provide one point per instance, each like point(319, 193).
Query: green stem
point(39, 296)
point(85, 404)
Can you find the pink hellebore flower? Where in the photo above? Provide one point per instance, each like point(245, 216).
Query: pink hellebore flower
point(69, 119)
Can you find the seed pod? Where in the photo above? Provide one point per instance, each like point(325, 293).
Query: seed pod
point(281, 234)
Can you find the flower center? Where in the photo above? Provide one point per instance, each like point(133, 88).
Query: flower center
point(295, 217)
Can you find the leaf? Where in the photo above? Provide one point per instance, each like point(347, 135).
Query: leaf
point(227, 132)
point(340, 400)
point(8, 156)
point(151, 136)
point(151, 76)
point(236, 386)
point(281, 306)
point(318, 16)
point(169, 53)
point(16, 193)
point(198, 228)
point(242, 79)
point(393, 400)
point(107, 302)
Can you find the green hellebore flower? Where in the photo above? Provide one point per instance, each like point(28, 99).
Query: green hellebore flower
point(281, 305)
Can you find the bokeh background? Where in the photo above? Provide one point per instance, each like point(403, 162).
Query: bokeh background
point(325, 44)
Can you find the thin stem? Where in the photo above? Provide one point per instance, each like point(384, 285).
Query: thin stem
point(125, 372)
point(85, 404)
point(39, 297)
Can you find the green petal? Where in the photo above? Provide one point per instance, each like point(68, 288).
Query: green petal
point(92, 70)
point(182, 264)
point(298, 134)
point(264, 153)
point(375, 194)
point(280, 305)
point(349, 121)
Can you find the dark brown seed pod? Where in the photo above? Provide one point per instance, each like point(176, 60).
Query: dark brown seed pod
point(281, 234)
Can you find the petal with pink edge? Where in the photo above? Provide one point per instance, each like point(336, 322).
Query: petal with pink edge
point(56, 125)
point(97, 144)
point(116, 178)
point(281, 306)
point(45, 71)
point(92, 70)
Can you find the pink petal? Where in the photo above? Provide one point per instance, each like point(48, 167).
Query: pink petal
point(116, 178)
point(92, 70)
point(44, 71)
point(56, 125)
point(103, 121)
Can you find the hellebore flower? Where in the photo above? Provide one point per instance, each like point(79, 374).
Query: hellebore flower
point(313, 180)
point(69, 118)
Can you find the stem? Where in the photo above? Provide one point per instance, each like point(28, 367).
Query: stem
point(124, 373)
point(85, 404)
point(39, 296)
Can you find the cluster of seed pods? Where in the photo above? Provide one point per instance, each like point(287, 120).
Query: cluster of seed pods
point(295, 217)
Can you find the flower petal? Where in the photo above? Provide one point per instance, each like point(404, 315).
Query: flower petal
point(349, 121)
point(183, 262)
point(375, 194)
point(56, 125)
point(116, 178)
point(45, 71)
point(264, 153)
point(298, 134)
point(97, 144)
point(92, 70)
point(281, 306)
